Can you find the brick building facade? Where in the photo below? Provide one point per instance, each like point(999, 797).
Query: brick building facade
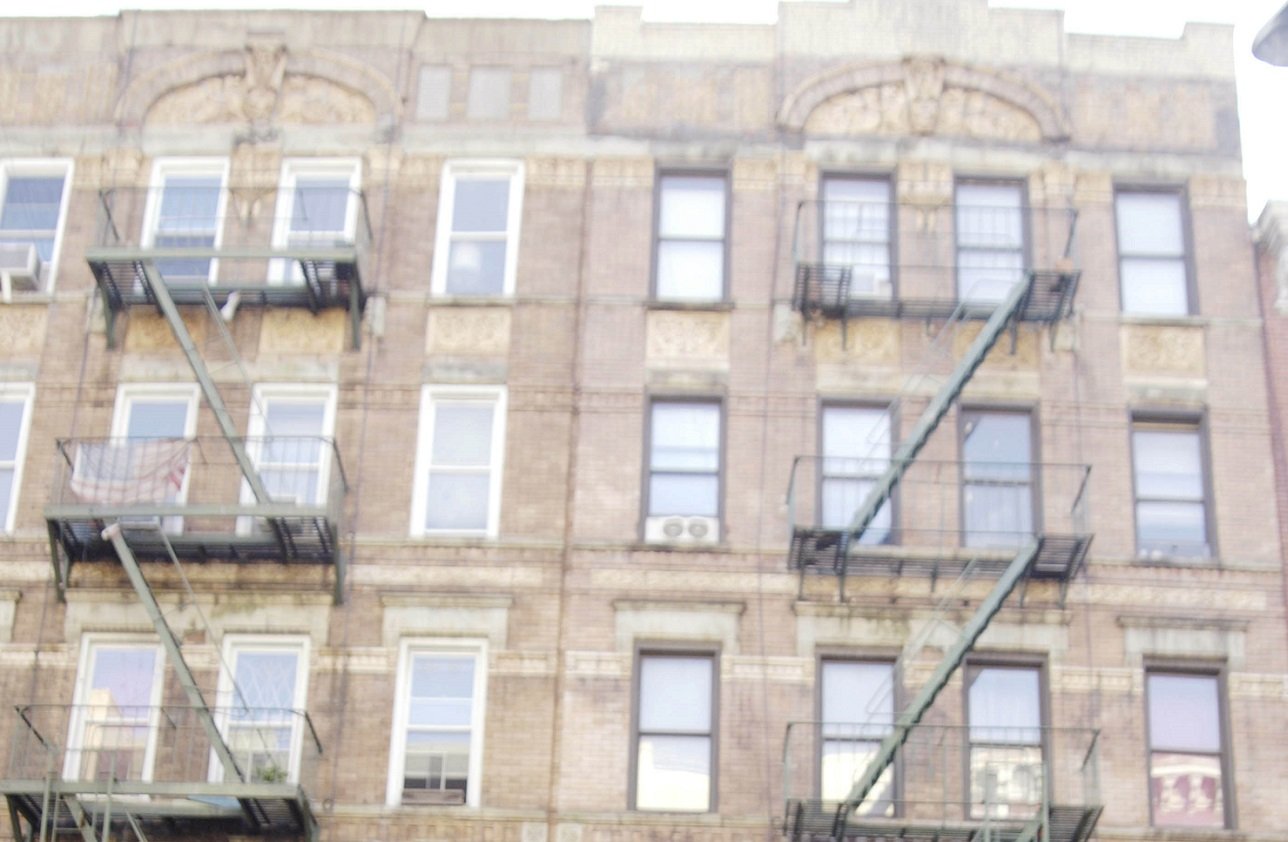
point(593, 431)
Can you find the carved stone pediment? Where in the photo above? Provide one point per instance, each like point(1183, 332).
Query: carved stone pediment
point(922, 96)
point(260, 86)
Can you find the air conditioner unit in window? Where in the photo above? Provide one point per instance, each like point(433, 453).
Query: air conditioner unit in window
point(866, 284)
point(19, 267)
point(678, 529)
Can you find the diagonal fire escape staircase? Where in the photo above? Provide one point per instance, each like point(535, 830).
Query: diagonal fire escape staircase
point(1032, 555)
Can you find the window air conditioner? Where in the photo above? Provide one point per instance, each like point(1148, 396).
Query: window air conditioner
point(19, 267)
point(677, 529)
point(869, 285)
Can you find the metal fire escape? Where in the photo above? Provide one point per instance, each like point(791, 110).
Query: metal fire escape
point(207, 788)
point(1039, 296)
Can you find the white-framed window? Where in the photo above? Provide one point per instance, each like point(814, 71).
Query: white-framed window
point(317, 206)
point(1004, 712)
point(480, 207)
point(997, 478)
point(440, 699)
point(263, 685)
point(689, 264)
point(1153, 254)
point(1188, 761)
point(674, 745)
point(459, 458)
point(856, 451)
point(289, 440)
point(1172, 518)
point(856, 232)
point(990, 240)
point(15, 425)
point(113, 726)
point(146, 413)
point(33, 209)
point(856, 701)
point(186, 209)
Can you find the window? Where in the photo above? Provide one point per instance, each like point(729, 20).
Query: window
point(690, 261)
point(1152, 254)
point(145, 416)
point(1188, 773)
point(856, 450)
point(997, 479)
point(1004, 707)
point(114, 722)
point(857, 701)
point(684, 467)
point(289, 441)
point(856, 232)
point(674, 744)
point(186, 211)
point(478, 229)
point(317, 207)
point(489, 95)
point(261, 689)
point(15, 422)
point(990, 241)
point(1171, 506)
point(32, 209)
point(437, 750)
point(458, 461)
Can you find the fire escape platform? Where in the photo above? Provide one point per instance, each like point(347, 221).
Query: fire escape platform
point(813, 820)
point(1059, 557)
point(328, 278)
point(823, 290)
point(277, 808)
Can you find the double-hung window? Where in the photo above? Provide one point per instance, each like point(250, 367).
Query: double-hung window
point(290, 442)
point(990, 240)
point(856, 232)
point(1171, 499)
point(261, 703)
point(152, 429)
point(458, 461)
point(1152, 253)
point(856, 451)
point(691, 227)
point(33, 205)
point(683, 471)
point(674, 745)
point(15, 422)
point(479, 208)
point(437, 751)
point(1004, 711)
point(997, 479)
point(186, 210)
point(857, 706)
point(113, 729)
point(1188, 765)
point(317, 207)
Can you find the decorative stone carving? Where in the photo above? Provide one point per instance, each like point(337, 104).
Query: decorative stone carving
point(687, 339)
point(1172, 350)
point(23, 329)
point(468, 331)
point(866, 341)
point(264, 84)
point(301, 332)
point(1026, 356)
point(923, 95)
point(151, 332)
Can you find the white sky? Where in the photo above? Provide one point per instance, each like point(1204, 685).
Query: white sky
point(1263, 90)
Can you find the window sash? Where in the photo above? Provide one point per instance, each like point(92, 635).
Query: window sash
point(674, 732)
point(1187, 759)
point(459, 463)
point(691, 230)
point(1170, 485)
point(991, 240)
point(478, 229)
point(684, 457)
point(1153, 252)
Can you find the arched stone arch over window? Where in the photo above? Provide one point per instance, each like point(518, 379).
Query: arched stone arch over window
point(923, 96)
